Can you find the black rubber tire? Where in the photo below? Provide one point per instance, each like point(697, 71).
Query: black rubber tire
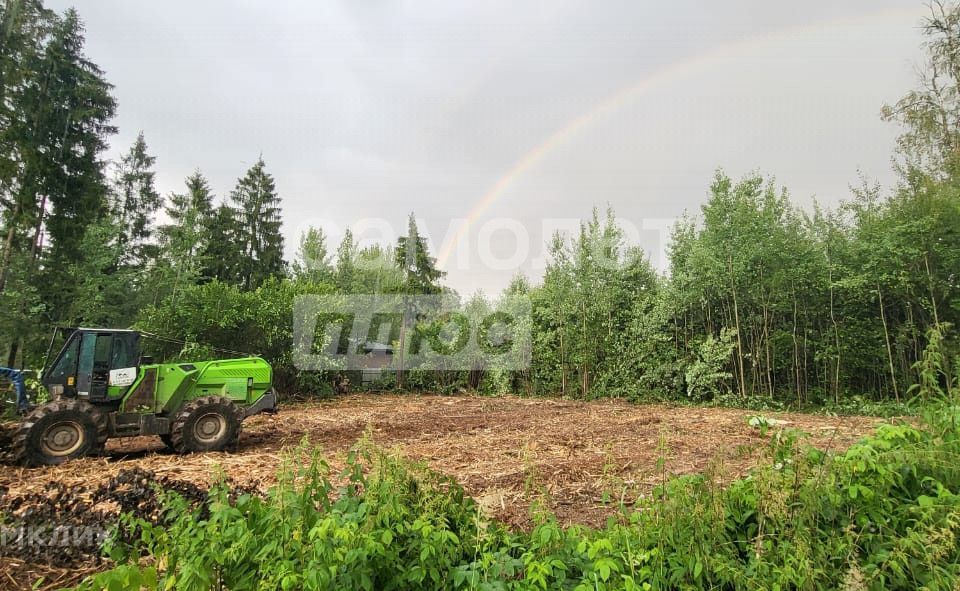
point(185, 435)
point(165, 438)
point(33, 446)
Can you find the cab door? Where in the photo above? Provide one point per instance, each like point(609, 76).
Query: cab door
point(124, 363)
point(93, 365)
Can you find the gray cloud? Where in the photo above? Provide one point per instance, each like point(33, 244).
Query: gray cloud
point(375, 109)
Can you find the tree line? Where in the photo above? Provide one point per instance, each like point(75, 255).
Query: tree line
point(763, 301)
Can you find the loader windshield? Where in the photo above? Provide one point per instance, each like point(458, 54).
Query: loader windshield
point(125, 351)
point(66, 363)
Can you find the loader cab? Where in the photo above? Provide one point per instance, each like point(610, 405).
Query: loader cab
point(97, 365)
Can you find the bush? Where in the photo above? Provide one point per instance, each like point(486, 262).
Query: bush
point(220, 320)
point(706, 375)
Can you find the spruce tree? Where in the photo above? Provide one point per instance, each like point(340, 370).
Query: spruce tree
point(72, 128)
point(191, 216)
point(25, 26)
point(185, 240)
point(134, 203)
point(257, 205)
point(223, 254)
point(419, 276)
point(346, 270)
point(420, 273)
point(54, 123)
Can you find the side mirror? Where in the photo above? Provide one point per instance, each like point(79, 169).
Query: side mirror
point(146, 360)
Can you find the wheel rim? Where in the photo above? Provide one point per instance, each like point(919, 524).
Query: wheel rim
point(209, 427)
point(62, 439)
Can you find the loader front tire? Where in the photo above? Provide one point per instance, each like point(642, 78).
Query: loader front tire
point(58, 431)
point(210, 423)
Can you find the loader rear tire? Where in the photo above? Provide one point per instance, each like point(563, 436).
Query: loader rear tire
point(211, 423)
point(59, 431)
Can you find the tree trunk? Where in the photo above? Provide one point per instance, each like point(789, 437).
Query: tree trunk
point(8, 246)
point(796, 353)
point(913, 335)
point(401, 378)
point(933, 300)
point(736, 316)
point(806, 358)
point(836, 336)
point(38, 229)
point(563, 367)
point(767, 320)
point(585, 364)
point(886, 336)
point(12, 355)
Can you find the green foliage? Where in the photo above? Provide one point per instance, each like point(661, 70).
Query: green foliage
point(222, 258)
point(391, 525)
point(705, 375)
point(936, 383)
point(816, 309)
point(104, 282)
point(372, 270)
point(186, 241)
point(313, 261)
point(22, 297)
point(593, 286)
point(71, 106)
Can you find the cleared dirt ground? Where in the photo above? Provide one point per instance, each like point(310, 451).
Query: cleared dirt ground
point(504, 451)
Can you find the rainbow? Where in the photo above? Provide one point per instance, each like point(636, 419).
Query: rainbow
point(661, 77)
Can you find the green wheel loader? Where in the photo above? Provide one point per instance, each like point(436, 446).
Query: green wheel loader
point(101, 387)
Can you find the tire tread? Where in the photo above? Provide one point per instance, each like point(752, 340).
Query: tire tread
point(22, 453)
point(179, 440)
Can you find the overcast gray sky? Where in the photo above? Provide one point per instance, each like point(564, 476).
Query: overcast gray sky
point(368, 109)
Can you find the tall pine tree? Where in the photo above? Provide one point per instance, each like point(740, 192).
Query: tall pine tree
point(420, 273)
point(75, 108)
point(25, 25)
point(223, 255)
point(185, 241)
point(56, 112)
point(257, 207)
point(135, 202)
point(346, 269)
